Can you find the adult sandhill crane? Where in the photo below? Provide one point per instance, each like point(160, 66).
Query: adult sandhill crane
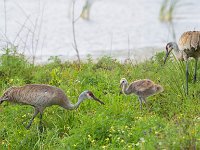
point(41, 96)
point(142, 88)
point(189, 46)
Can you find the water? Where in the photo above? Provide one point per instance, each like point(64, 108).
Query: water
point(116, 28)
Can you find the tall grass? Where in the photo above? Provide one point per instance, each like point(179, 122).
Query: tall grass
point(171, 121)
point(167, 10)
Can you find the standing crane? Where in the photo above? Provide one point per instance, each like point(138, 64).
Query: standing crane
point(142, 88)
point(41, 96)
point(189, 46)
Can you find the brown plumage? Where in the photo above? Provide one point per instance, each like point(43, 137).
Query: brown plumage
point(189, 46)
point(141, 88)
point(41, 96)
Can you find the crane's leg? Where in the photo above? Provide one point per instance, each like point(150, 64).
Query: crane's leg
point(187, 74)
point(40, 124)
point(35, 114)
point(140, 100)
point(144, 99)
point(40, 118)
point(195, 71)
point(40, 127)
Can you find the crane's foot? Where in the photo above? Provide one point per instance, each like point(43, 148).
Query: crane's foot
point(186, 93)
point(41, 128)
point(141, 107)
point(28, 127)
point(194, 79)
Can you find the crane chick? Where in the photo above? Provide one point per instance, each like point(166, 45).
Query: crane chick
point(141, 88)
point(41, 96)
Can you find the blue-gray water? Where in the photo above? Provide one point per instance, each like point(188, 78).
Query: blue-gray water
point(44, 27)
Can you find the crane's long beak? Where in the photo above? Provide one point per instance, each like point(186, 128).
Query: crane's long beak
point(120, 86)
point(3, 99)
point(167, 54)
point(96, 99)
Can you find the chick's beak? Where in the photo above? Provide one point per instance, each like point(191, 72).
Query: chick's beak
point(96, 99)
point(120, 86)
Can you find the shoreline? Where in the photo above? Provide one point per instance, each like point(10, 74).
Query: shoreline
point(137, 55)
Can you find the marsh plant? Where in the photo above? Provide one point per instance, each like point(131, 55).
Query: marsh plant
point(171, 121)
point(167, 10)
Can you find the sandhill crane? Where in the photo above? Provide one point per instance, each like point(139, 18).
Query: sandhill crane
point(189, 46)
point(142, 88)
point(41, 96)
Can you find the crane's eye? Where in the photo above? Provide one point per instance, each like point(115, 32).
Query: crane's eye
point(169, 45)
point(166, 48)
point(90, 94)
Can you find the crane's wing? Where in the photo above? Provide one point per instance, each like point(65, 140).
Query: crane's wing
point(185, 40)
point(190, 39)
point(142, 85)
point(195, 43)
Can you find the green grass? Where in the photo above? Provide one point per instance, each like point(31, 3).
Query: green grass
point(171, 122)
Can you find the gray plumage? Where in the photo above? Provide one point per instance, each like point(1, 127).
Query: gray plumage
point(141, 88)
point(41, 96)
point(189, 46)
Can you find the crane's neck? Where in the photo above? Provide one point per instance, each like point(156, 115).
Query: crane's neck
point(176, 49)
point(71, 106)
point(125, 89)
point(177, 52)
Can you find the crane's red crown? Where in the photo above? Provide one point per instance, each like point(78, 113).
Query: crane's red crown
point(90, 94)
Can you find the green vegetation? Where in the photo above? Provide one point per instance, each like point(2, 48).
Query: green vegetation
point(172, 120)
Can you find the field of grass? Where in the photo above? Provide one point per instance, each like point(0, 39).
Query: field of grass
point(172, 120)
